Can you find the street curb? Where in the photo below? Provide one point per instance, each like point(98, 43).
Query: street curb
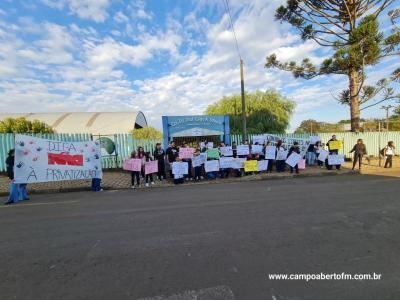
point(248, 178)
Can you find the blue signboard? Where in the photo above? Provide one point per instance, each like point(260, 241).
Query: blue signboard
point(182, 126)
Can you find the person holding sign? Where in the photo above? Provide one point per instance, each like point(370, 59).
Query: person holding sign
point(359, 150)
point(318, 147)
point(148, 177)
point(159, 156)
point(172, 154)
point(135, 174)
point(294, 149)
point(270, 155)
point(13, 196)
point(281, 156)
point(188, 160)
point(333, 148)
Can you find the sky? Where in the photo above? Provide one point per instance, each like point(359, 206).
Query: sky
point(162, 57)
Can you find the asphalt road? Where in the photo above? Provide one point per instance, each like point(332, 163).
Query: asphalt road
point(206, 242)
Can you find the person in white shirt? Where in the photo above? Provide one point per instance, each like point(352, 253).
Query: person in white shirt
point(388, 153)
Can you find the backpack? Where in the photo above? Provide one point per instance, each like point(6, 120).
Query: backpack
point(382, 151)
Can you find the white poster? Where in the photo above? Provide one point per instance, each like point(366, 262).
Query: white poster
point(243, 150)
point(210, 145)
point(239, 163)
point(293, 159)
point(257, 149)
point(43, 160)
point(260, 139)
point(323, 154)
point(198, 160)
point(335, 159)
point(180, 168)
point(262, 165)
point(270, 152)
point(314, 139)
point(281, 155)
point(226, 151)
point(211, 166)
point(226, 162)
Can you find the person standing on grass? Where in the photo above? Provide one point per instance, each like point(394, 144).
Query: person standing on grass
point(13, 196)
point(159, 155)
point(388, 153)
point(359, 150)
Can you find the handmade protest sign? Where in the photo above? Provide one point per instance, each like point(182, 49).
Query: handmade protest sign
point(186, 153)
point(335, 145)
point(314, 139)
point(226, 151)
point(151, 167)
point(323, 154)
point(239, 163)
point(270, 152)
point(293, 159)
point(301, 164)
point(213, 153)
point(257, 149)
point(243, 150)
point(44, 160)
point(179, 168)
point(259, 139)
point(132, 164)
point(281, 155)
point(198, 160)
point(262, 165)
point(250, 166)
point(226, 162)
point(211, 166)
point(210, 145)
point(335, 159)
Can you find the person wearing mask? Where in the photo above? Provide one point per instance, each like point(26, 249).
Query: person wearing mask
point(359, 150)
point(13, 196)
point(172, 154)
point(332, 152)
point(318, 147)
point(388, 152)
point(159, 155)
point(280, 164)
point(135, 175)
point(294, 149)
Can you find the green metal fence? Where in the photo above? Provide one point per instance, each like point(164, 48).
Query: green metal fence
point(125, 143)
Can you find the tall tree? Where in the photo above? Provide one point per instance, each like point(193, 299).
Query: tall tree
point(147, 133)
point(22, 125)
point(351, 29)
point(266, 112)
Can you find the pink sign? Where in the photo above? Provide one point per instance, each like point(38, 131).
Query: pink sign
point(151, 167)
point(132, 164)
point(186, 152)
point(301, 164)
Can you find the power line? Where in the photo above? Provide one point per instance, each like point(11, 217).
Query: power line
point(228, 11)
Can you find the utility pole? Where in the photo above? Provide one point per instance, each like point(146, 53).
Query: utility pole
point(244, 137)
point(387, 115)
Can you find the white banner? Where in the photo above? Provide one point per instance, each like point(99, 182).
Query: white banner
point(211, 166)
point(239, 163)
point(257, 149)
point(281, 155)
point(180, 168)
point(270, 152)
point(43, 160)
point(198, 160)
point(262, 165)
point(323, 154)
point(226, 162)
point(335, 159)
point(293, 159)
point(226, 151)
point(243, 150)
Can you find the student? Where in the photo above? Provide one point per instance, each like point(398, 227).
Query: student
point(280, 164)
point(359, 150)
point(332, 152)
point(172, 154)
point(189, 161)
point(13, 196)
point(294, 149)
point(310, 155)
point(198, 171)
point(223, 173)
point(318, 147)
point(270, 161)
point(135, 174)
point(388, 152)
point(159, 155)
point(148, 177)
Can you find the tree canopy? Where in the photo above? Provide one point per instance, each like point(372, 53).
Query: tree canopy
point(147, 133)
point(22, 125)
point(266, 112)
point(351, 29)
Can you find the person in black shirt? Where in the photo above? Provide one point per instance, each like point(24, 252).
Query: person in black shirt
point(13, 197)
point(172, 154)
point(159, 155)
point(332, 152)
point(296, 149)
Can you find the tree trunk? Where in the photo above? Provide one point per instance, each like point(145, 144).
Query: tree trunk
point(354, 100)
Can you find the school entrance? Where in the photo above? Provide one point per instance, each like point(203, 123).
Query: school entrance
point(196, 129)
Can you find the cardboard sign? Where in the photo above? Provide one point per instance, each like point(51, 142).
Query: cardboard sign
point(270, 152)
point(243, 150)
point(132, 164)
point(281, 155)
point(323, 154)
point(257, 149)
point(44, 160)
point(198, 160)
point(180, 168)
point(335, 145)
point(301, 164)
point(226, 162)
point(226, 151)
point(211, 166)
point(212, 153)
point(293, 159)
point(335, 159)
point(262, 165)
point(186, 152)
point(151, 167)
point(250, 166)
